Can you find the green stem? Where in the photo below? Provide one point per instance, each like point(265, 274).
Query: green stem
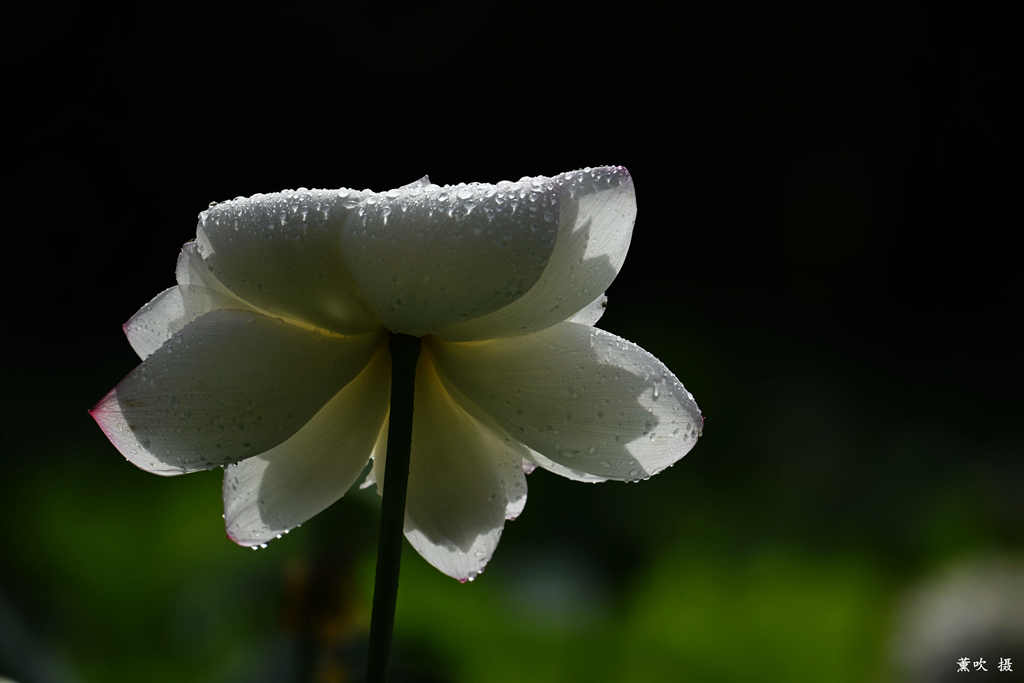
point(405, 350)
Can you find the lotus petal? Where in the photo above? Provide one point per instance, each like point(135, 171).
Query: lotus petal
point(579, 396)
point(279, 489)
point(597, 208)
point(464, 481)
point(281, 252)
point(426, 257)
point(198, 292)
point(230, 385)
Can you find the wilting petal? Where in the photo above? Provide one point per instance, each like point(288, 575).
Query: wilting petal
point(579, 396)
point(198, 292)
point(597, 208)
point(281, 253)
point(230, 385)
point(464, 480)
point(279, 489)
point(426, 257)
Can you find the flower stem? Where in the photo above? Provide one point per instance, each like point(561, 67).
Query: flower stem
point(405, 350)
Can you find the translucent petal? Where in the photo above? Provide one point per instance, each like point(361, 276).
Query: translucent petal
point(173, 308)
point(228, 386)
point(580, 397)
point(464, 481)
point(597, 208)
point(536, 459)
point(281, 253)
point(377, 458)
point(271, 493)
point(156, 322)
point(592, 312)
point(426, 257)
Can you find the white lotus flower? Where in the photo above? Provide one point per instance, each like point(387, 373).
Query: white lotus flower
point(270, 356)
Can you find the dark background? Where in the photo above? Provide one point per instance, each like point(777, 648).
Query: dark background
point(824, 254)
